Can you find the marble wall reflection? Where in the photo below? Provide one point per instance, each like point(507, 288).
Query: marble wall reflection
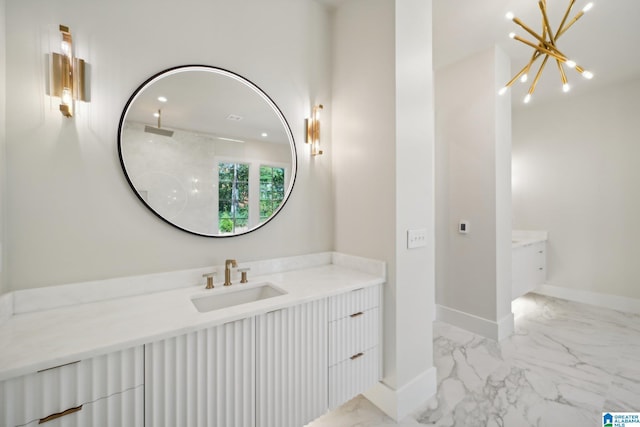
point(177, 176)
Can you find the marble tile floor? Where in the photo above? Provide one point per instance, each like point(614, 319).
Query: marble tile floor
point(565, 364)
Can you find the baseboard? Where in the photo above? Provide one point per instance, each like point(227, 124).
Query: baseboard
point(614, 302)
point(497, 331)
point(398, 404)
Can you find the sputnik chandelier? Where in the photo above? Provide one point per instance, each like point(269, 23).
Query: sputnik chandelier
point(547, 47)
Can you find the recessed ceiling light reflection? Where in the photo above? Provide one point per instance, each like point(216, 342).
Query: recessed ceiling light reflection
point(264, 134)
point(162, 99)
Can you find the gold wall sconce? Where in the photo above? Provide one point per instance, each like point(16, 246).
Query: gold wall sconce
point(546, 46)
point(313, 130)
point(67, 75)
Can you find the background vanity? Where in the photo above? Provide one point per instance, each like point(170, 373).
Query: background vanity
point(528, 261)
point(154, 360)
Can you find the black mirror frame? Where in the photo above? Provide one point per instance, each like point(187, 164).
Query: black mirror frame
point(249, 83)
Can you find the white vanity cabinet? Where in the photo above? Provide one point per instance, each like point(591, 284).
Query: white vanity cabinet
point(354, 337)
point(529, 268)
point(292, 365)
point(204, 378)
point(260, 361)
point(102, 391)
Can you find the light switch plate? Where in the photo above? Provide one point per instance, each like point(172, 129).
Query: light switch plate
point(416, 238)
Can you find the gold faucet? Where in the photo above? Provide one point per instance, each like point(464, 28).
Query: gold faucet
point(227, 270)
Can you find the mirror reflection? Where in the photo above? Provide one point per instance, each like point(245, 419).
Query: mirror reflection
point(207, 151)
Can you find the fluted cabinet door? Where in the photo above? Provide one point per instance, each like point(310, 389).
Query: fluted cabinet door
point(202, 379)
point(292, 365)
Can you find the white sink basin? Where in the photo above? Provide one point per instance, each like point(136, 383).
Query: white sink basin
point(231, 297)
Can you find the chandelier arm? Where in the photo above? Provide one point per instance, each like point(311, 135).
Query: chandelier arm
point(543, 9)
point(563, 75)
point(534, 58)
point(530, 31)
point(541, 49)
point(573, 21)
point(524, 69)
point(538, 74)
point(564, 19)
point(557, 52)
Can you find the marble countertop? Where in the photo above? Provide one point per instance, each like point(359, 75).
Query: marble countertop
point(41, 339)
point(521, 238)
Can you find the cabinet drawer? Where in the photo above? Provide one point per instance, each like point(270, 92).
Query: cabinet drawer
point(344, 305)
point(353, 376)
point(50, 391)
point(119, 410)
point(353, 334)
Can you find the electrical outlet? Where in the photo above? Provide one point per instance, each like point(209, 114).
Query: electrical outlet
point(416, 238)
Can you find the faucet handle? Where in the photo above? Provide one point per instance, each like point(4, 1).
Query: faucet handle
point(243, 271)
point(209, 277)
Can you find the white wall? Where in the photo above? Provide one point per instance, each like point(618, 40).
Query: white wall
point(71, 215)
point(383, 176)
point(576, 175)
point(3, 128)
point(473, 183)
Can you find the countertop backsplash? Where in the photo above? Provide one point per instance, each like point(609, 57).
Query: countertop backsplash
point(46, 298)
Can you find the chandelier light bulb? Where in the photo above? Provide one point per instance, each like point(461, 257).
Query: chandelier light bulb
point(512, 35)
point(524, 78)
point(587, 75)
point(588, 7)
point(566, 87)
point(527, 98)
point(503, 90)
point(571, 64)
point(510, 15)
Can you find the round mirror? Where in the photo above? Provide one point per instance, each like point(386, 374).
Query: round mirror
point(207, 151)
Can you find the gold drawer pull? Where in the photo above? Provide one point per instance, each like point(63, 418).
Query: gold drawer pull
point(355, 356)
point(60, 414)
point(360, 313)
